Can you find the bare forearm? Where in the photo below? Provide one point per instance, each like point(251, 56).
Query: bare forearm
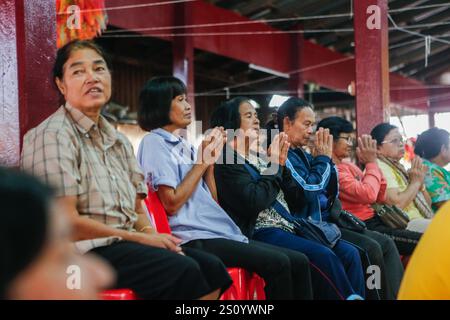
point(85, 228)
point(403, 199)
point(211, 182)
point(176, 198)
point(143, 223)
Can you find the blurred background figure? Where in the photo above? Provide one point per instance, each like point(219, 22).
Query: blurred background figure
point(409, 151)
point(433, 146)
point(272, 123)
point(35, 250)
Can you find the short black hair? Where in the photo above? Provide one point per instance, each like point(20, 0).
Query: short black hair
point(336, 125)
point(63, 54)
point(289, 109)
point(430, 142)
point(380, 131)
point(25, 205)
point(227, 114)
point(155, 101)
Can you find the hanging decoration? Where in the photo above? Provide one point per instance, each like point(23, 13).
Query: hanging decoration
point(79, 19)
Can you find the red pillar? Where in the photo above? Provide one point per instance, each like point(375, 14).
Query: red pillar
point(183, 51)
point(372, 63)
point(296, 79)
point(28, 45)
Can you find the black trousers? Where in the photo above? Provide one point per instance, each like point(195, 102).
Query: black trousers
point(155, 273)
point(405, 240)
point(379, 250)
point(286, 272)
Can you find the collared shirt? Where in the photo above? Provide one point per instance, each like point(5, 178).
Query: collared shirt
point(359, 190)
point(166, 159)
point(437, 182)
point(93, 162)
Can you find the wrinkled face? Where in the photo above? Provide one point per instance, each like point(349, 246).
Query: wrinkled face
point(47, 278)
point(180, 112)
point(86, 81)
point(343, 145)
point(300, 130)
point(393, 145)
point(249, 120)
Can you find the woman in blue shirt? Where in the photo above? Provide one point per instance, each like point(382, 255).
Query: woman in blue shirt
point(184, 182)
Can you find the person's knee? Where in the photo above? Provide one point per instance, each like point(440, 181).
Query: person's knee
point(298, 261)
point(388, 245)
point(351, 255)
point(278, 263)
point(374, 250)
point(325, 255)
point(186, 264)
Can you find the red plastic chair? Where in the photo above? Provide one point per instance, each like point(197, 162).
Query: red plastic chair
point(118, 294)
point(239, 288)
point(245, 285)
point(256, 286)
point(157, 212)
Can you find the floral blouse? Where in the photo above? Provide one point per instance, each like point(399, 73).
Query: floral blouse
point(437, 182)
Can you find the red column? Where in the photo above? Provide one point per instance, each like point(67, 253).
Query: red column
point(28, 45)
point(183, 51)
point(296, 79)
point(372, 63)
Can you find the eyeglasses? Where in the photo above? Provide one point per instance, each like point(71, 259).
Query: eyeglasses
point(396, 141)
point(350, 140)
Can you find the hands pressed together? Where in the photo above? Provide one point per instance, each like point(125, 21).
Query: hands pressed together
point(211, 146)
point(417, 171)
point(367, 149)
point(323, 143)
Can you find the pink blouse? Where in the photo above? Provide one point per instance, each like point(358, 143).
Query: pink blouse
point(358, 190)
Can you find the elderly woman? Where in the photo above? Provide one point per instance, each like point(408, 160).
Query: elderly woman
point(97, 180)
point(405, 189)
point(360, 188)
point(433, 146)
point(262, 206)
point(37, 253)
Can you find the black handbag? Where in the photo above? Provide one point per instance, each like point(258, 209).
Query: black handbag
point(345, 219)
point(392, 216)
point(322, 232)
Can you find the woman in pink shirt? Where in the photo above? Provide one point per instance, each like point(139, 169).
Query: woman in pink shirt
point(359, 189)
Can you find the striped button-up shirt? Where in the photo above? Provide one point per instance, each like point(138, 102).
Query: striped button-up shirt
point(91, 161)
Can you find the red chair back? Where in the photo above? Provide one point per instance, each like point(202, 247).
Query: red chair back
point(156, 210)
